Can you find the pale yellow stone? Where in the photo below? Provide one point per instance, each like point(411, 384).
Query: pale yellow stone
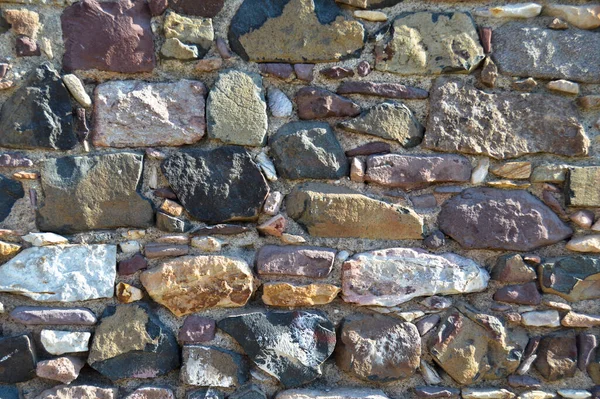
point(292, 239)
point(128, 293)
point(357, 170)
point(513, 170)
point(8, 250)
point(134, 234)
point(579, 320)
point(508, 184)
point(589, 243)
point(519, 10)
point(23, 22)
point(288, 295)
point(583, 17)
point(373, 16)
point(171, 208)
point(206, 244)
point(189, 29)
point(77, 90)
point(564, 86)
point(22, 175)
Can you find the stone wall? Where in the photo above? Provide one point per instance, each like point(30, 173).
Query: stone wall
point(299, 199)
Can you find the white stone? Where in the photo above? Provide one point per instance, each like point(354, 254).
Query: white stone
point(207, 244)
point(480, 171)
point(129, 247)
point(429, 374)
point(60, 342)
point(520, 10)
point(292, 239)
point(583, 17)
point(43, 239)
point(541, 318)
point(134, 234)
point(333, 393)
point(537, 395)
point(486, 393)
point(589, 243)
point(564, 86)
point(574, 393)
point(267, 166)
point(77, 90)
point(392, 276)
point(273, 203)
point(279, 104)
point(1, 308)
point(357, 170)
point(411, 315)
point(61, 273)
point(373, 16)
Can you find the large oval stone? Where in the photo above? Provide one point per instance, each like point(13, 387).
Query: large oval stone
point(491, 218)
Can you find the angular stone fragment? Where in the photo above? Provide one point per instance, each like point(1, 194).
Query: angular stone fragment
point(541, 318)
point(127, 293)
point(557, 357)
point(61, 342)
point(43, 315)
point(113, 179)
point(23, 21)
point(8, 250)
point(589, 243)
point(131, 113)
point(360, 352)
point(197, 329)
point(198, 31)
point(170, 223)
point(424, 43)
point(315, 262)
point(108, 36)
point(525, 294)
point(189, 284)
point(387, 90)
point(132, 265)
point(512, 269)
point(513, 219)
point(417, 171)
point(580, 186)
point(78, 392)
point(337, 72)
point(27, 47)
point(514, 124)
point(10, 191)
point(77, 90)
point(373, 16)
point(388, 120)
point(315, 103)
point(374, 147)
point(333, 211)
point(17, 359)
point(334, 393)
point(308, 150)
point(308, 339)
point(582, 17)
point(550, 173)
point(575, 278)
point(392, 276)
point(279, 104)
point(211, 366)
point(61, 273)
point(513, 170)
point(564, 87)
point(151, 393)
point(38, 114)
point(586, 349)
point(583, 218)
point(579, 320)
point(217, 185)
point(174, 48)
point(489, 73)
point(288, 295)
point(64, 369)
point(131, 342)
point(297, 31)
point(524, 50)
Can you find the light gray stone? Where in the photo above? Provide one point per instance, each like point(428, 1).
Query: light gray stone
point(279, 104)
point(211, 366)
point(59, 342)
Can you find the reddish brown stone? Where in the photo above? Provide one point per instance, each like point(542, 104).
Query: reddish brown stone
point(156, 250)
point(199, 8)
point(485, 34)
point(132, 265)
point(165, 192)
point(316, 103)
point(276, 69)
point(525, 294)
point(157, 7)
point(363, 68)
point(223, 229)
point(337, 72)
point(388, 90)
point(304, 71)
point(275, 226)
point(554, 204)
point(557, 357)
point(223, 48)
point(108, 36)
point(512, 269)
point(26, 47)
point(3, 69)
point(375, 147)
point(294, 261)
point(197, 329)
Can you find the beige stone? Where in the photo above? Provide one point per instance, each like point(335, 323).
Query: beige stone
point(23, 22)
point(513, 170)
point(174, 48)
point(589, 243)
point(519, 10)
point(8, 250)
point(189, 29)
point(292, 239)
point(583, 17)
point(77, 90)
point(209, 64)
point(128, 293)
point(22, 175)
point(288, 295)
point(564, 86)
point(508, 184)
point(207, 244)
point(357, 170)
point(373, 16)
point(549, 173)
point(171, 207)
point(192, 283)
point(579, 320)
point(275, 226)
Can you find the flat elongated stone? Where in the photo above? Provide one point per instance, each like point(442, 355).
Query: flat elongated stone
point(524, 50)
point(44, 315)
point(131, 113)
point(17, 359)
point(430, 43)
point(514, 124)
point(575, 278)
point(113, 179)
point(334, 393)
point(388, 120)
point(217, 185)
point(189, 284)
point(108, 36)
point(414, 171)
point(204, 8)
point(557, 357)
point(374, 147)
point(308, 150)
point(333, 211)
point(580, 186)
point(525, 294)
point(236, 109)
point(387, 90)
point(298, 31)
point(131, 342)
point(288, 295)
point(309, 339)
point(315, 103)
point(44, 239)
point(541, 318)
point(429, 392)
point(513, 170)
point(211, 366)
point(151, 393)
point(273, 260)
point(78, 392)
point(513, 219)
point(392, 276)
point(38, 114)
point(580, 320)
point(583, 17)
point(589, 243)
point(520, 10)
point(64, 274)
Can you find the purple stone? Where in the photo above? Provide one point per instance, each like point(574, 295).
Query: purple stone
point(27, 47)
point(427, 323)
point(304, 71)
point(586, 346)
point(295, 261)
point(278, 70)
point(523, 294)
point(363, 68)
point(337, 72)
point(197, 329)
point(44, 315)
point(132, 265)
point(374, 147)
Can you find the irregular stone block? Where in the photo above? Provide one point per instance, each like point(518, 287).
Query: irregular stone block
point(63, 369)
point(10, 192)
point(17, 359)
point(541, 318)
point(557, 357)
point(43, 315)
point(511, 268)
point(151, 393)
point(61, 342)
point(317, 103)
point(525, 294)
point(273, 260)
point(211, 366)
point(197, 329)
point(198, 31)
point(78, 392)
point(581, 186)
point(574, 278)
point(288, 295)
point(583, 17)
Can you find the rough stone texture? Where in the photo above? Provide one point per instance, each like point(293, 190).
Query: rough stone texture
point(522, 50)
point(17, 359)
point(130, 266)
point(197, 329)
point(151, 393)
point(69, 182)
point(236, 109)
point(9, 392)
point(303, 261)
point(211, 366)
point(189, 284)
point(335, 393)
point(557, 357)
point(288, 295)
point(217, 185)
point(297, 31)
point(131, 342)
point(580, 186)
point(389, 120)
point(387, 90)
point(79, 392)
point(514, 220)
point(574, 278)
point(511, 268)
point(526, 294)
point(205, 8)
point(332, 211)
point(63, 369)
point(10, 192)
point(309, 339)
point(195, 31)
point(315, 103)
point(430, 43)
point(38, 114)
point(358, 348)
point(308, 150)
point(44, 315)
point(132, 113)
point(417, 171)
point(389, 277)
point(514, 124)
point(64, 274)
point(108, 36)
point(60, 342)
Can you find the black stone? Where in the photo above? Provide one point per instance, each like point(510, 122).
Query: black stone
point(39, 113)
point(17, 359)
point(206, 393)
point(308, 150)
point(217, 185)
point(199, 8)
point(9, 392)
point(309, 339)
point(10, 191)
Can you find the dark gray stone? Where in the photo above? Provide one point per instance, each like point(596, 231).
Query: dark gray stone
point(45, 315)
point(575, 278)
point(17, 359)
point(248, 392)
point(169, 223)
point(10, 191)
point(9, 392)
point(308, 150)
point(204, 8)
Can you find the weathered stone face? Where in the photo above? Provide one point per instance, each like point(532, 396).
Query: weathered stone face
point(581, 186)
point(273, 260)
point(17, 359)
point(522, 50)
point(333, 211)
point(132, 113)
point(217, 185)
point(360, 339)
point(430, 43)
point(297, 31)
point(10, 191)
point(38, 114)
point(557, 357)
point(190, 30)
point(211, 366)
point(45, 315)
point(513, 219)
point(309, 339)
point(513, 124)
point(108, 36)
point(389, 277)
point(335, 393)
point(189, 284)
point(315, 103)
point(288, 295)
point(93, 192)
point(78, 392)
point(574, 278)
